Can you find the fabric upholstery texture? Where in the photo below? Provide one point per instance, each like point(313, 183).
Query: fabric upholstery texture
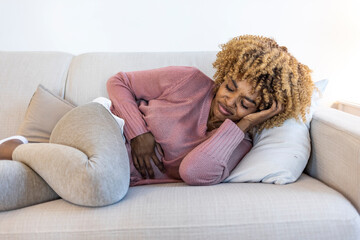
point(306, 209)
point(94, 69)
point(302, 210)
point(21, 187)
point(20, 75)
point(336, 152)
point(44, 111)
point(86, 161)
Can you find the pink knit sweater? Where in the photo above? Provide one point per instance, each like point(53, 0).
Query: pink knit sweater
point(173, 103)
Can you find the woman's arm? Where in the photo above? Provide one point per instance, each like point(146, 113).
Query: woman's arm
point(213, 160)
point(127, 89)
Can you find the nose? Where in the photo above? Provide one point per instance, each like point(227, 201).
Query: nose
point(231, 102)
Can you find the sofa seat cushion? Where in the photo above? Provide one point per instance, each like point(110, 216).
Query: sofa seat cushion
point(306, 209)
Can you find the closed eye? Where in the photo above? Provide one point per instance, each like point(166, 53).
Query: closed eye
point(242, 104)
point(228, 88)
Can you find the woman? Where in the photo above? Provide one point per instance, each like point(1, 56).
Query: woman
point(182, 126)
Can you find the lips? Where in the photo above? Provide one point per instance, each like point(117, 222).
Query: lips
point(223, 110)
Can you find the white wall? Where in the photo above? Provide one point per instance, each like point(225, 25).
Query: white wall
point(324, 34)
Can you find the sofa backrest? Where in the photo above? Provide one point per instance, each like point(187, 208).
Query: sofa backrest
point(78, 79)
point(89, 72)
point(20, 74)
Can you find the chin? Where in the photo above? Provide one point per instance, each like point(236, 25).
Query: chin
point(221, 117)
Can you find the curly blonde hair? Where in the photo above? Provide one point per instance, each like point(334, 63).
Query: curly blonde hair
point(271, 71)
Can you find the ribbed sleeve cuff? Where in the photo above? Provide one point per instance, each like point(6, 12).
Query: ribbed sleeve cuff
point(134, 124)
point(224, 141)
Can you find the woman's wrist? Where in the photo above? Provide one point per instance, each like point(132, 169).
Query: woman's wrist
point(243, 125)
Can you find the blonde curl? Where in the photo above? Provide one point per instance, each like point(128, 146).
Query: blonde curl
point(272, 71)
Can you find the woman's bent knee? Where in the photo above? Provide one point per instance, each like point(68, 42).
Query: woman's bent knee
point(102, 189)
point(100, 180)
point(86, 161)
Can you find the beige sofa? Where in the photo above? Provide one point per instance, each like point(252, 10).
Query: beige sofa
point(323, 204)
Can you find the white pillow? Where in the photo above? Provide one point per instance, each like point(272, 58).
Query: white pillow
point(280, 154)
point(106, 103)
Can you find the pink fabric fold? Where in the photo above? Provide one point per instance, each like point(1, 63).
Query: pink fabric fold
point(174, 104)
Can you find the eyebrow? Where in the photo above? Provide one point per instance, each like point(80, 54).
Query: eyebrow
point(247, 98)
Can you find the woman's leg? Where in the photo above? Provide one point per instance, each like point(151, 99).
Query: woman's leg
point(86, 161)
point(19, 185)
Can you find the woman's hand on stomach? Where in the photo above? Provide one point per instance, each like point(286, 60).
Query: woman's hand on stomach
point(142, 150)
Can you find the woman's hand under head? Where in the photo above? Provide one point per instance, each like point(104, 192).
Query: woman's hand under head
point(235, 100)
point(257, 118)
point(142, 150)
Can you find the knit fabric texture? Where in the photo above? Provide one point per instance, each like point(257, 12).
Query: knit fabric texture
point(173, 103)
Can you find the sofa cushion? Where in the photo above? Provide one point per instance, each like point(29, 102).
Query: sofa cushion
point(20, 74)
point(306, 209)
point(280, 154)
point(44, 111)
point(89, 72)
point(335, 158)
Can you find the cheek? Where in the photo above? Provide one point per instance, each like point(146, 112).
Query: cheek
point(221, 92)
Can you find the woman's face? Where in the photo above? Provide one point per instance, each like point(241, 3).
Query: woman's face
point(234, 101)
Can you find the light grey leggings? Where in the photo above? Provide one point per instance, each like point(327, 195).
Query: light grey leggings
point(86, 161)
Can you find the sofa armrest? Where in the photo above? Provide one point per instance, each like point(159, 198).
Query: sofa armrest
point(335, 158)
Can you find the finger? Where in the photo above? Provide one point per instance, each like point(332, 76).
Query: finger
point(279, 108)
point(276, 106)
point(142, 167)
point(159, 148)
point(135, 161)
point(270, 110)
point(158, 163)
point(149, 167)
point(273, 110)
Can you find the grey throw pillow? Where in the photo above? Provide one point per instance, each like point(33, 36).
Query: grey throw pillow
point(44, 111)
